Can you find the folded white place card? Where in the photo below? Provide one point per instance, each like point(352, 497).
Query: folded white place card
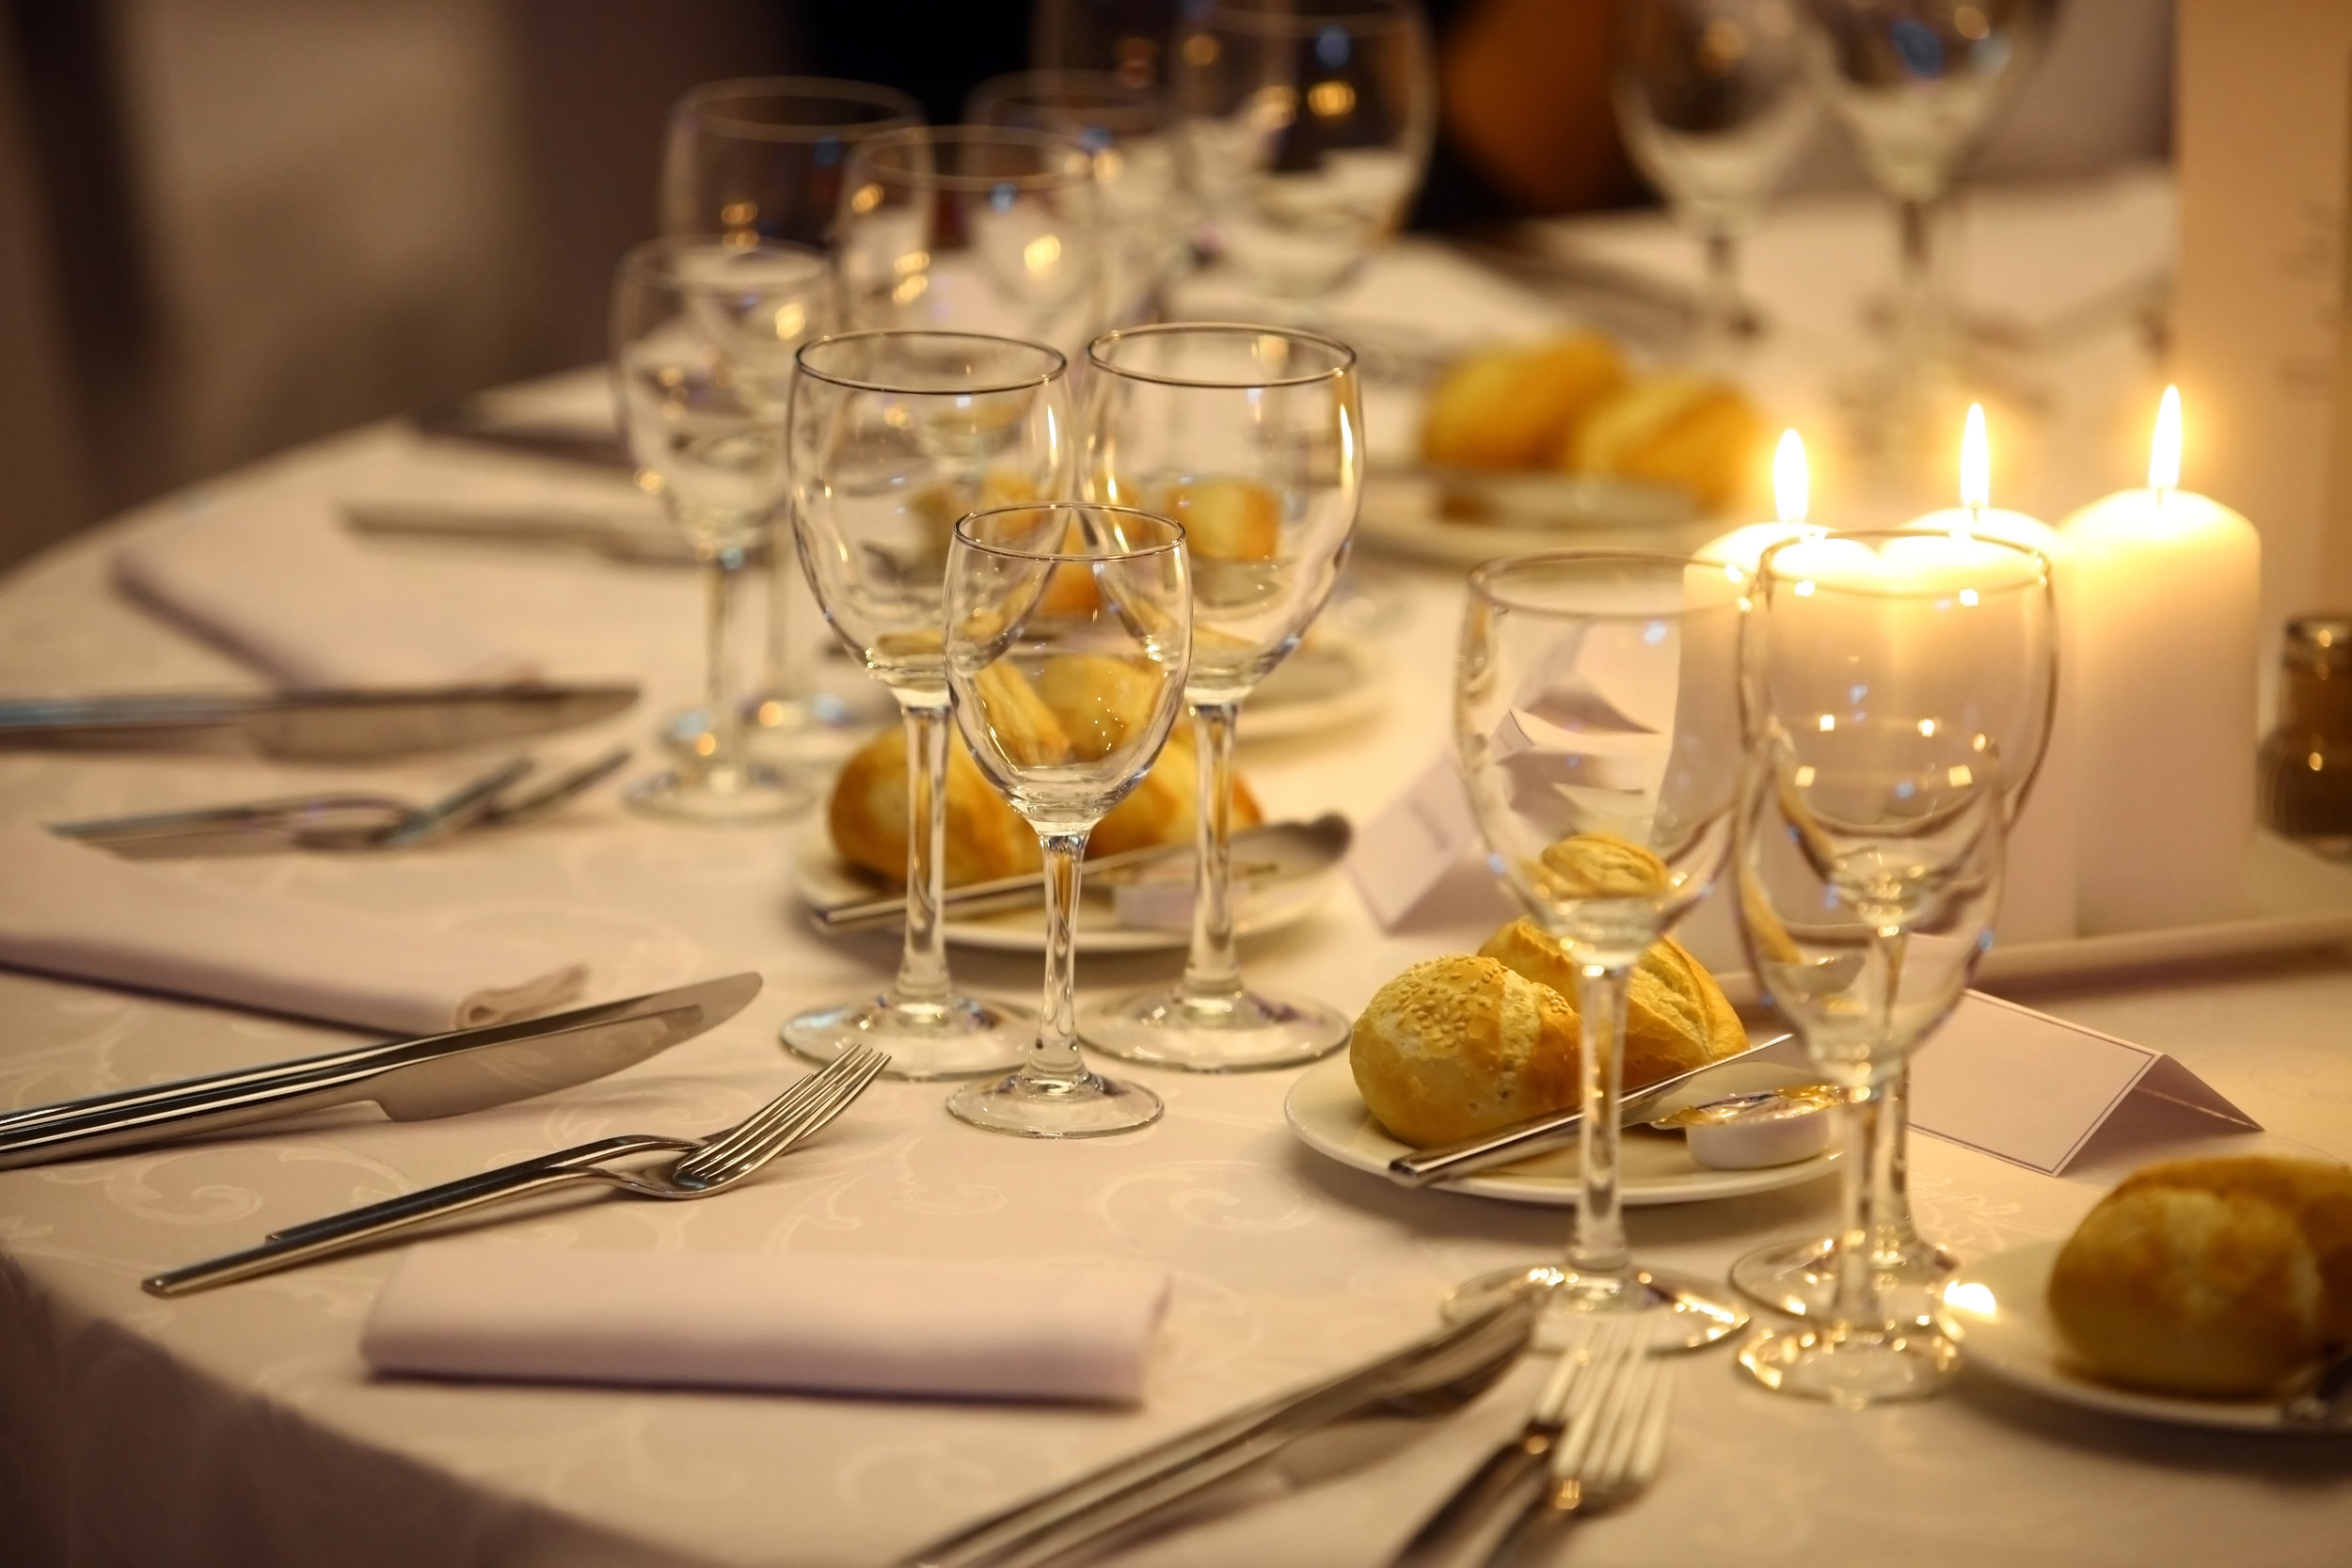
point(1400, 855)
point(2033, 1089)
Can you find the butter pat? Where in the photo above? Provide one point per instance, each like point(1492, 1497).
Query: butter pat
point(1769, 1127)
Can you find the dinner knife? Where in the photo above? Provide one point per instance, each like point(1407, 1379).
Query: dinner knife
point(647, 542)
point(466, 420)
point(413, 1080)
point(346, 725)
point(1431, 1377)
point(1537, 1134)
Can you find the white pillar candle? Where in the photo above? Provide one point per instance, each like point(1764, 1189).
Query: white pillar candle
point(2169, 603)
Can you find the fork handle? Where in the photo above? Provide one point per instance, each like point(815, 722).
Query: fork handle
point(1489, 1490)
point(350, 1232)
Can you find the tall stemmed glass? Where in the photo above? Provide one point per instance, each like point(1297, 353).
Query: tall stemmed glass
point(1900, 689)
point(1252, 438)
point(1713, 100)
point(761, 158)
point(1065, 699)
point(1598, 718)
point(893, 436)
point(1127, 38)
point(1916, 85)
point(976, 229)
point(703, 334)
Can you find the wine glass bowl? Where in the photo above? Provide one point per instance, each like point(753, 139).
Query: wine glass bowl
point(763, 157)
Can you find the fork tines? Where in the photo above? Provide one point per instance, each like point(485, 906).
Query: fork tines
point(813, 1103)
point(1610, 1450)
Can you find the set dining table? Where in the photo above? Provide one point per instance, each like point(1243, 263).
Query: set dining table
point(242, 1425)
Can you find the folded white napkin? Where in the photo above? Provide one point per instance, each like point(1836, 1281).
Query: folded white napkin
point(278, 583)
point(75, 911)
point(853, 1325)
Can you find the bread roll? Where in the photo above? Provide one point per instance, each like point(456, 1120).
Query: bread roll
point(2221, 1277)
point(1676, 429)
point(1226, 519)
point(1455, 1047)
point(1515, 408)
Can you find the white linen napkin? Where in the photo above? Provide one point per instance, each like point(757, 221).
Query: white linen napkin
point(277, 583)
point(71, 910)
point(853, 1325)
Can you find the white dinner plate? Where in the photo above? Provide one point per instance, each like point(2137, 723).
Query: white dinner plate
point(821, 876)
point(1332, 1118)
point(1409, 508)
point(2001, 1314)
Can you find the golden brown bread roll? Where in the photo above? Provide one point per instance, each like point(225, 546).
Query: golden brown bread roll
point(1515, 408)
point(1225, 519)
point(1455, 1047)
point(1676, 429)
point(2217, 1277)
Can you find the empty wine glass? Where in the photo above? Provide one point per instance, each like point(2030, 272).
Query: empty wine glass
point(702, 335)
point(1253, 438)
point(1307, 125)
point(1596, 717)
point(1713, 100)
point(761, 158)
point(973, 228)
point(1899, 686)
point(1125, 128)
point(894, 436)
point(1068, 631)
point(1127, 38)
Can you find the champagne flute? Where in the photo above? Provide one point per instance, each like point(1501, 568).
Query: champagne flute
point(1596, 717)
point(1712, 98)
point(893, 436)
point(973, 228)
point(1251, 437)
point(703, 334)
point(1900, 687)
point(1065, 697)
point(761, 158)
point(1307, 125)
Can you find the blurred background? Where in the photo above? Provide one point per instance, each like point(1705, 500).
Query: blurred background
point(228, 227)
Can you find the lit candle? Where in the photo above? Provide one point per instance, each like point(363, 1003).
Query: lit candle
point(2169, 590)
point(1793, 493)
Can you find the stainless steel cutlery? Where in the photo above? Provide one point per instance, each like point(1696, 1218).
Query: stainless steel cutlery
point(338, 726)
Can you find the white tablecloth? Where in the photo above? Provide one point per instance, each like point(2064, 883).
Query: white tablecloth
point(240, 1426)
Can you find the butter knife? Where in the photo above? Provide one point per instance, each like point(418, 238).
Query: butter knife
point(1429, 1378)
point(349, 725)
point(438, 1075)
point(1538, 1134)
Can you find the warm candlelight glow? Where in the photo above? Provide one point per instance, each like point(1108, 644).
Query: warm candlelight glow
point(1976, 463)
point(1791, 487)
point(2164, 452)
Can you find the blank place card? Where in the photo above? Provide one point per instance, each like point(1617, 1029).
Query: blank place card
point(2033, 1089)
point(1400, 855)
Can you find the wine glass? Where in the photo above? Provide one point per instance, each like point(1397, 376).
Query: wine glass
point(973, 228)
point(1899, 688)
point(1125, 129)
point(893, 436)
point(1916, 85)
point(1253, 438)
point(1598, 718)
point(1712, 98)
point(1307, 126)
point(1127, 38)
point(702, 335)
point(1068, 631)
point(761, 158)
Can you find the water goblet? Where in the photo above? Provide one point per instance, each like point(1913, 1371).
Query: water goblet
point(893, 436)
point(1068, 631)
point(1128, 39)
point(1251, 437)
point(703, 335)
point(1597, 718)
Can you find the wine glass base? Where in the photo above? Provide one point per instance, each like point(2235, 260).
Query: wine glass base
point(755, 793)
point(1086, 1106)
point(963, 1037)
point(1798, 1278)
point(1851, 1366)
point(769, 720)
point(1683, 1312)
point(1242, 1034)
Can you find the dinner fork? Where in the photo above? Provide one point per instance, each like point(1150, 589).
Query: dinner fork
point(705, 1167)
point(1608, 1457)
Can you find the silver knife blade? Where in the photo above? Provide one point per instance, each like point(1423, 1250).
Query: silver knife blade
point(311, 726)
point(1537, 1134)
point(640, 542)
point(438, 1075)
point(1433, 1376)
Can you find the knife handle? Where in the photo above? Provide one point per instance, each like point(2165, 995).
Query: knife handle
point(1484, 1495)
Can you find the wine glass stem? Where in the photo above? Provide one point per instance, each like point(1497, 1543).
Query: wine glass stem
point(781, 682)
point(1599, 1251)
point(923, 963)
point(722, 766)
point(1054, 1054)
point(1719, 301)
point(1855, 1301)
point(1213, 967)
point(1919, 321)
point(1890, 1167)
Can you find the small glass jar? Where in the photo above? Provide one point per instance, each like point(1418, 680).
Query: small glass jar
point(2306, 763)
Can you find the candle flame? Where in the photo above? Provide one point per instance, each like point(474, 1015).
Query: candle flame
point(1791, 485)
point(1976, 463)
point(2164, 452)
